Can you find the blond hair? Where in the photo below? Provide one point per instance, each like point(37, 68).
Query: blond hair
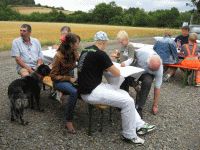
point(192, 37)
point(122, 35)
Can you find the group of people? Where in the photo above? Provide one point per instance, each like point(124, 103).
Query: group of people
point(179, 51)
point(92, 63)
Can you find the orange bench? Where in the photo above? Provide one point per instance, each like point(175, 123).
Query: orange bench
point(186, 72)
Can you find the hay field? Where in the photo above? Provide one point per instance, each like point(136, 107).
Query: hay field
point(48, 33)
point(28, 10)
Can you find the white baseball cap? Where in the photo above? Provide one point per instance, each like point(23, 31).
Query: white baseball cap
point(101, 36)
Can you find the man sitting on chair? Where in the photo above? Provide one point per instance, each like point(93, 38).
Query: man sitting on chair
point(26, 51)
point(92, 63)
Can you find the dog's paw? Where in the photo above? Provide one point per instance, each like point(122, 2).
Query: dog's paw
point(25, 123)
point(41, 109)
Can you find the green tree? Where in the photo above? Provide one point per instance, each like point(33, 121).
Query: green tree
point(103, 12)
point(166, 18)
point(197, 4)
point(20, 2)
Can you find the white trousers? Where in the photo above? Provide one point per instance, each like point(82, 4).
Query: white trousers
point(108, 95)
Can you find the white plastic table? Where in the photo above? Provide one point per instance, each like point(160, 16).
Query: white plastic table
point(48, 55)
point(124, 72)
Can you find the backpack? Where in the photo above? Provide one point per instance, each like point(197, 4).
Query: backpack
point(191, 61)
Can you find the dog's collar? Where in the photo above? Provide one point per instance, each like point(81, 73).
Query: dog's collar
point(40, 77)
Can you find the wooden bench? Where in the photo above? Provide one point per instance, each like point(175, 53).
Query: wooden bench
point(48, 82)
point(186, 72)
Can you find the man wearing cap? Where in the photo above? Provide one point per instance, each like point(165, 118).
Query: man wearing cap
point(26, 51)
point(92, 63)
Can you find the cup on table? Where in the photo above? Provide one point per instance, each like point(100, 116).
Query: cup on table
point(49, 47)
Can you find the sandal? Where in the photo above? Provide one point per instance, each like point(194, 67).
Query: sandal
point(71, 131)
point(70, 128)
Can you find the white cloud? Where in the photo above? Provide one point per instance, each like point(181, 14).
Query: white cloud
point(148, 5)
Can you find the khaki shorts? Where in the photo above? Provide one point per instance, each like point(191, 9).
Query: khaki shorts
point(23, 71)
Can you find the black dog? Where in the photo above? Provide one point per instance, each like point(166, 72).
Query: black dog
point(23, 92)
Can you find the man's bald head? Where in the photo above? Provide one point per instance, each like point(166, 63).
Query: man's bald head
point(154, 62)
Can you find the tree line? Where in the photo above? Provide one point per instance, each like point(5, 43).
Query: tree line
point(103, 13)
point(18, 2)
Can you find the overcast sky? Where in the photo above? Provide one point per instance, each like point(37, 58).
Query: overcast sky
point(148, 5)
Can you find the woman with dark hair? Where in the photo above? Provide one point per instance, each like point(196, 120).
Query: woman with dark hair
point(63, 64)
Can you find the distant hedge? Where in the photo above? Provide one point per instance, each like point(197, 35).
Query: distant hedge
point(104, 14)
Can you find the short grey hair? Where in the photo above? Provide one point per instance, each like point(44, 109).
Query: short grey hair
point(27, 26)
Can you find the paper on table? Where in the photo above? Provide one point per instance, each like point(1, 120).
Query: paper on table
point(125, 72)
point(128, 70)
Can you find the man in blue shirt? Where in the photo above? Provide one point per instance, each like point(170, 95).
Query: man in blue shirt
point(26, 51)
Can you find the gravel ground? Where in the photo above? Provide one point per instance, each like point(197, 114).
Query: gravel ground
point(178, 121)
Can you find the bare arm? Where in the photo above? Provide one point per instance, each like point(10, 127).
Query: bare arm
point(156, 96)
point(22, 64)
point(115, 72)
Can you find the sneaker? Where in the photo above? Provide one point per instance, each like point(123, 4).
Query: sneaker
point(166, 78)
point(146, 129)
point(58, 96)
point(197, 85)
point(137, 140)
point(139, 110)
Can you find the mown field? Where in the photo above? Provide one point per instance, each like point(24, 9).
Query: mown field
point(48, 33)
point(28, 10)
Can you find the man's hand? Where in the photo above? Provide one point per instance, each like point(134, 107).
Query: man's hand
point(115, 53)
point(123, 64)
point(30, 70)
point(72, 80)
point(39, 62)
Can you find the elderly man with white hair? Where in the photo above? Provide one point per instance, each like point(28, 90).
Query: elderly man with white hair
point(151, 62)
point(92, 63)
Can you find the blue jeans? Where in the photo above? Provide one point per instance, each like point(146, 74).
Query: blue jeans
point(67, 88)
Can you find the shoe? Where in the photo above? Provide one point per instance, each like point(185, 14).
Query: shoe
point(146, 129)
point(139, 110)
point(166, 78)
point(59, 96)
point(137, 140)
point(197, 85)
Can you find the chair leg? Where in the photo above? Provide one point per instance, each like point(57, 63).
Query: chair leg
point(44, 87)
point(193, 77)
point(101, 121)
point(185, 77)
point(90, 107)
